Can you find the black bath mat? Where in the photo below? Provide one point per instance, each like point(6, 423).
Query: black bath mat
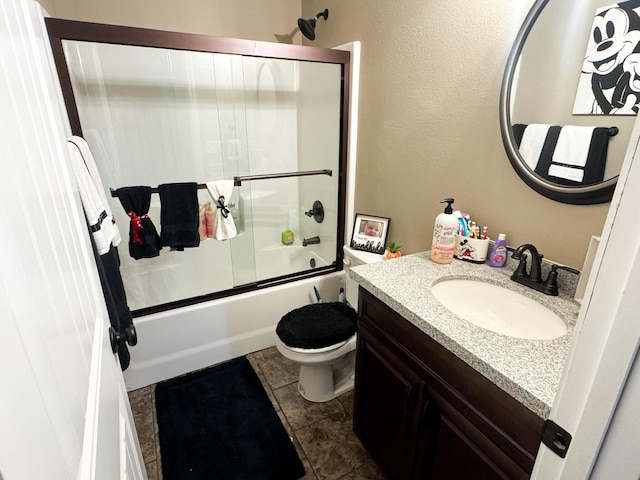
point(218, 423)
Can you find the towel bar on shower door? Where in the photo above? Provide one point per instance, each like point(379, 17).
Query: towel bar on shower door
point(237, 181)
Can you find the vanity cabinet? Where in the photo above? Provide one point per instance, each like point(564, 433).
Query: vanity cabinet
point(424, 413)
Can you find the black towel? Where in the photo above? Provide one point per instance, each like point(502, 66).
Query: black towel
point(518, 132)
point(116, 301)
point(597, 160)
point(115, 298)
point(179, 215)
point(546, 155)
point(144, 241)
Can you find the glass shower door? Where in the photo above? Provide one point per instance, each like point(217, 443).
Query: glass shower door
point(274, 125)
point(293, 125)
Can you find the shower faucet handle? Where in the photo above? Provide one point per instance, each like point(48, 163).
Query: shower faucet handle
point(317, 212)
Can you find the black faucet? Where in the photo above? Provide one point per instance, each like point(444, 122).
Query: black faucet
point(310, 241)
point(521, 275)
point(533, 279)
point(551, 283)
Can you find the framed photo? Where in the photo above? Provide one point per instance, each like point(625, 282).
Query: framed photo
point(370, 233)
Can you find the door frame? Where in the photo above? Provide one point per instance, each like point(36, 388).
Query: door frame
point(606, 337)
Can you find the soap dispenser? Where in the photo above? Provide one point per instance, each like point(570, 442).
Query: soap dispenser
point(444, 234)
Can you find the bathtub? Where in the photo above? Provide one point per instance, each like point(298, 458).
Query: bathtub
point(179, 341)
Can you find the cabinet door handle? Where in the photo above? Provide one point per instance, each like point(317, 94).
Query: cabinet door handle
point(411, 397)
point(429, 411)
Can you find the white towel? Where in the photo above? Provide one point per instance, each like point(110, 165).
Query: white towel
point(571, 149)
point(532, 142)
point(99, 217)
point(221, 191)
point(573, 145)
point(558, 171)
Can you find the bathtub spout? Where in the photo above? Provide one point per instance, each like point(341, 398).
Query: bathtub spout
point(310, 241)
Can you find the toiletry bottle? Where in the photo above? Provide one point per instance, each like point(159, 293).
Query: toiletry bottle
point(498, 255)
point(210, 217)
point(444, 231)
point(202, 227)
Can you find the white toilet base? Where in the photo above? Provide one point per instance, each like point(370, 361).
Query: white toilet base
point(321, 383)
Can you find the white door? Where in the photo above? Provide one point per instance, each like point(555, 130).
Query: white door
point(64, 413)
point(605, 346)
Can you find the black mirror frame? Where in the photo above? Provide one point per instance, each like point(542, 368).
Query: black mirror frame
point(590, 194)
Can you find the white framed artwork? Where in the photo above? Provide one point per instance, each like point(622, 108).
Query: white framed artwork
point(610, 79)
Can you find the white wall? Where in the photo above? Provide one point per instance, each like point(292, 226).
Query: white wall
point(618, 457)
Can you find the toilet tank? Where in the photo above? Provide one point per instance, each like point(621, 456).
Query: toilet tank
point(353, 258)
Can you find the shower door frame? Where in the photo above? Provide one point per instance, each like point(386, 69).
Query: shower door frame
point(62, 29)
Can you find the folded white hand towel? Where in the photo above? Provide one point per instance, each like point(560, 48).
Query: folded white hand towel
point(221, 191)
point(573, 145)
point(104, 230)
point(568, 173)
point(532, 142)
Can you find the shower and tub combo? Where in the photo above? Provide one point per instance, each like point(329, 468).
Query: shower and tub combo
point(163, 107)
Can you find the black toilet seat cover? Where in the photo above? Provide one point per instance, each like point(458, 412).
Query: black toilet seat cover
point(317, 325)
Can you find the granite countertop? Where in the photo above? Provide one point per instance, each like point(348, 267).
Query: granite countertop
point(528, 370)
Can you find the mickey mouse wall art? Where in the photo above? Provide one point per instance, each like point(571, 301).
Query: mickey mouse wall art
point(610, 79)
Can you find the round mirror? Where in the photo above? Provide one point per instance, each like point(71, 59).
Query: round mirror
point(568, 99)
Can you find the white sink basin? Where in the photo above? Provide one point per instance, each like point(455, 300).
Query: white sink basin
point(499, 309)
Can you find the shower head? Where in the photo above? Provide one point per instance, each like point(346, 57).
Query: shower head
point(308, 27)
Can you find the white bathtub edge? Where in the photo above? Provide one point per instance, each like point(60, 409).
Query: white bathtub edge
point(186, 339)
point(179, 363)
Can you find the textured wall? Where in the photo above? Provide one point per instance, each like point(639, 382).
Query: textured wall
point(430, 83)
point(270, 21)
point(429, 128)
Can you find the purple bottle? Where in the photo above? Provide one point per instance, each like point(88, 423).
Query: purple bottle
point(498, 256)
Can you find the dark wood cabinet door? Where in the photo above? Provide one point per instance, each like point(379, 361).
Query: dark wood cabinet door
point(464, 452)
point(388, 400)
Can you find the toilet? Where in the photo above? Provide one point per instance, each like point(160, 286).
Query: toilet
point(321, 338)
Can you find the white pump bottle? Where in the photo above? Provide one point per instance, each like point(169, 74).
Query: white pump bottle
point(444, 234)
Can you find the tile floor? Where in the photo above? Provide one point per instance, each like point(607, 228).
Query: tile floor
point(322, 432)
